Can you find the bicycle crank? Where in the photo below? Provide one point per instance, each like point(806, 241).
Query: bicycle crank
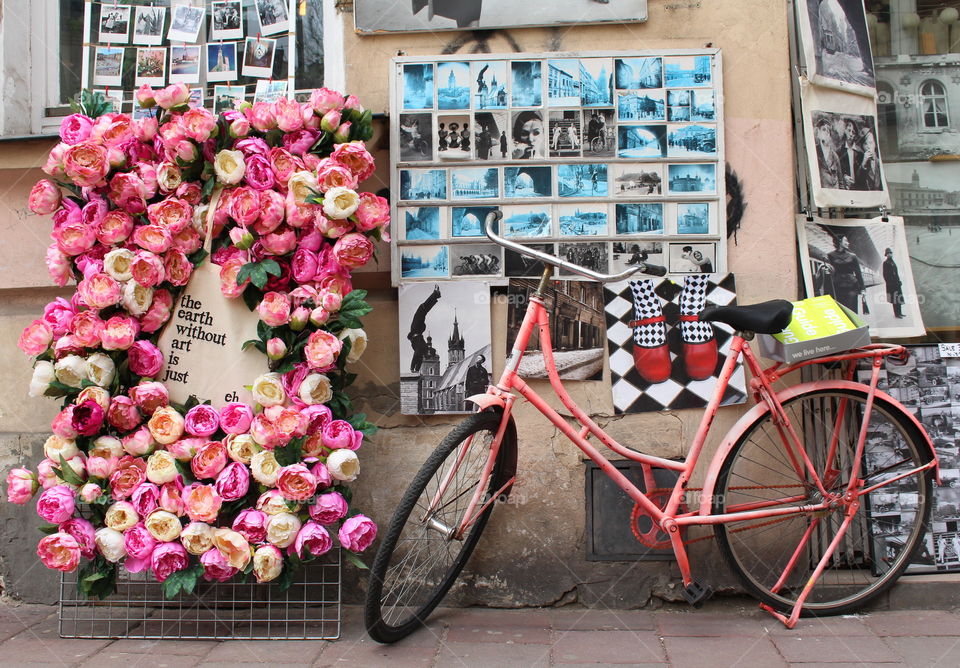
point(644, 526)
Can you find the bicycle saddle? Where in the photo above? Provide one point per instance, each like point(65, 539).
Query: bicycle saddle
point(764, 318)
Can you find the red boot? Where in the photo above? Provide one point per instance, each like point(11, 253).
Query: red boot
point(652, 363)
point(699, 359)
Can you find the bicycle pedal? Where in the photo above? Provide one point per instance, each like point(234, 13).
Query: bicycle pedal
point(696, 593)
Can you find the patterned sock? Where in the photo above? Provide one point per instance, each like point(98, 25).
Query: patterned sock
point(646, 305)
point(692, 300)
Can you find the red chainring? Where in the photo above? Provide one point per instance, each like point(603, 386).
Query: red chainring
point(645, 528)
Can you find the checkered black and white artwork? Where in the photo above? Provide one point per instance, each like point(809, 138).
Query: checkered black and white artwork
point(632, 394)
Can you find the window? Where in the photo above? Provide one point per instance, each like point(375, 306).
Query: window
point(933, 104)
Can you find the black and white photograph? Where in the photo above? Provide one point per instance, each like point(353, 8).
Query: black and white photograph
point(491, 135)
point(222, 61)
point(517, 265)
point(185, 23)
point(599, 136)
point(592, 256)
point(596, 82)
point(527, 181)
point(474, 183)
point(444, 346)
point(228, 97)
point(687, 71)
point(453, 85)
point(108, 66)
point(526, 83)
point(641, 105)
point(476, 260)
point(114, 24)
point(864, 265)
point(424, 262)
point(258, 53)
point(184, 64)
point(692, 177)
point(527, 221)
point(379, 16)
point(563, 82)
point(423, 184)
point(582, 179)
point(642, 141)
point(691, 141)
point(703, 105)
point(640, 218)
point(226, 20)
point(195, 101)
point(577, 334)
point(421, 223)
point(273, 16)
point(632, 73)
point(416, 133)
point(582, 220)
point(268, 90)
point(529, 135)
point(489, 84)
point(151, 66)
point(114, 99)
point(636, 179)
point(418, 86)
point(454, 138)
point(678, 105)
point(627, 254)
point(693, 218)
point(467, 221)
point(836, 44)
point(565, 133)
point(692, 258)
point(148, 25)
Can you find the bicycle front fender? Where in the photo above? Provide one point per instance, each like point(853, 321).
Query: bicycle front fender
point(485, 401)
point(761, 409)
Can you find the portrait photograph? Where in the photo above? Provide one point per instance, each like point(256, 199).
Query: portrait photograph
point(836, 44)
point(641, 141)
point(424, 262)
point(526, 83)
point(692, 177)
point(476, 260)
point(527, 221)
point(691, 141)
point(582, 220)
point(151, 67)
point(527, 181)
point(453, 85)
point(489, 85)
point(640, 218)
point(107, 66)
point(599, 136)
point(636, 180)
point(226, 20)
point(454, 138)
point(692, 258)
point(148, 25)
point(582, 180)
point(529, 135)
point(222, 61)
point(114, 24)
point(641, 105)
point(638, 73)
point(627, 254)
point(517, 265)
point(491, 135)
point(415, 133)
point(687, 71)
point(228, 97)
point(185, 64)
point(563, 82)
point(185, 22)
point(693, 218)
point(420, 223)
point(596, 82)
point(565, 133)
point(418, 86)
point(273, 16)
point(474, 183)
point(592, 256)
point(423, 184)
point(468, 221)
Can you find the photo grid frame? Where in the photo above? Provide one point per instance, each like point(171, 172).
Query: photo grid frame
point(602, 158)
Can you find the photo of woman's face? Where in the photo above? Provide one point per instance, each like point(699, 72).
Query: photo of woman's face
point(531, 133)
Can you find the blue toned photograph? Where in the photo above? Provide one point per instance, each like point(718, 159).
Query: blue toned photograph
point(527, 182)
point(490, 84)
point(693, 218)
point(421, 223)
point(692, 178)
point(676, 114)
point(418, 86)
point(679, 98)
point(423, 184)
point(639, 73)
point(588, 220)
point(582, 180)
point(596, 82)
point(453, 86)
point(467, 221)
point(526, 87)
point(637, 180)
point(424, 262)
point(526, 221)
point(641, 141)
point(474, 183)
point(687, 71)
point(702, 107)
point(641, 106)
point(691, 140)
point(563, 82)
point(640, 218)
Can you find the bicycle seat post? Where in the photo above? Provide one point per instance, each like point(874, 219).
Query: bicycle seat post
point(544, 279)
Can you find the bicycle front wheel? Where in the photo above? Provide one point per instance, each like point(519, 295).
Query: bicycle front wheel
point(774, 557)
point(419, 559)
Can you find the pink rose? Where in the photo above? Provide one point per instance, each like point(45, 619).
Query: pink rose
point(35, 338)
point(59, 313)
point(322, 349)
point(177, 267)
point(22, 484)
point(233, 482)
point(342, 133)
point(75, 128)
point(145, 359)
point(299, 142)
point(353, 250)
point(209, 460)
point(138, 542)
point(168, 558)
point(252, 525)
point(312, 539)
point(145, 498)
point(44, 197)
point(99, 291)
point(147, 269)
point(338, 434)
point(333, 228)
point(190, 193)
point(172, 213)
point(228, 278)
point(296, 483)
point(170, 499)
point(56, 504)
point(239, 127)
point(259, 173)
point(284, 164)
point(87, 418)
point(172, 96)
point(114, 227)
point(261, 116)
point(332, 174)
point(317, 415)
point(58, 265)
point(288, 114)
point(87, 326)
point(158, 313)
point(279, 242)
point(123, 414)
point(245, 205)
point(145, 96)
point(202, 503)
point(59, 551)
point(322, 474)
point(101, 467)
point(139, 442)
point(62, 424)
point(186, 240)
point(373, 212)
point(356, 158)
point(119, 332)
point(198, 124)
point(86, 164)
point(235, 418)
point(274, 309)
point(272, 210)
point(112, 129)
point(216, 568)
point(202, 420)
point(83, 532)
point(357, 533)
point(323, 100)
point(330, 120)
point(129, 192)
point(149, 396)
point(329, 508)
point(74, 237)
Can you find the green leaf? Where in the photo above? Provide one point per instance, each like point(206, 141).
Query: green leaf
point(286, 576)
point(271, 267)
point(263, 330)
point(246, 271)
point(355, 560)
point(58, 389)
point(291, 453)
point(259, 276)
point(197, 257)
point(97, 578)
point(67, 474)
point(252, 297)
point(286, 367)
point(49, 529)
point(207, 189)
point(192, 401)
point(256, 343)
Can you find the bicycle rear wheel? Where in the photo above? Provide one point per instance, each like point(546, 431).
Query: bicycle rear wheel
point(883, 536)
point(418, 561)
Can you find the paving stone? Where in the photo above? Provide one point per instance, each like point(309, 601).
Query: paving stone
point(26, 649)
point(717, 624)
point(492, 655)
point(914, 623)
point(269, 651)
point(585, 619)
point(714, 652)
point(823, 626)
point(163, 647)
point(506, 634)
point(846, 665)
point(111, 659)
point(250, 664)
point(486, 617)
point(927, 651)
point(606, 646)
point(862, 649)
point(374, 654)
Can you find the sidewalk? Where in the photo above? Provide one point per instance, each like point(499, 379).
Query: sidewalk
point(724, 633)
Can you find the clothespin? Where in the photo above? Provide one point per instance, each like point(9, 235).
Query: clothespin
point(302, 8)
point(806, 210)
point(883, 214)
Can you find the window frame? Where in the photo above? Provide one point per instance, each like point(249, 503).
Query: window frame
point(923, 98)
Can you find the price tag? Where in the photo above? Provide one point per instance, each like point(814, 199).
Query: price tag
point(949, 350)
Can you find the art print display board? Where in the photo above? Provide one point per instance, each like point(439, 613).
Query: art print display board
point(603, 159)
point(836, 44)
point(444, 346)
point(657, 359)
point(865, 265)
point(843, 156)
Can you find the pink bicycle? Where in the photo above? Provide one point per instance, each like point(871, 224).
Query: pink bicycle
point(789, 491)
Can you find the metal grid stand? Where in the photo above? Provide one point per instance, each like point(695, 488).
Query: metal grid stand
point(309, 610)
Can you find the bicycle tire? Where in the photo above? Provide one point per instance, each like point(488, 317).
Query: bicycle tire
point(386, 573)
point(866, 563)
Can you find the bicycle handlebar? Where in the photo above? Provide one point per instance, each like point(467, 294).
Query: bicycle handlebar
point(643, 267)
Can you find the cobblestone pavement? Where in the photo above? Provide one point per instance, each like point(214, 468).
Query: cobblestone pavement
point(723, 633)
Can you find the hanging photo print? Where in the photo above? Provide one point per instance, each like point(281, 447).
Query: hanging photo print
point(151, 67)
point(226, 20)
point(185, 22)
point(840, 131)
point(114, 24)
point(836, 45)
point(273, 16)
point(228, 97)
point(864, 265)
point(148, 25)
point(108, 66)
point(258, 57)
point(222, 61)
point(185, 64)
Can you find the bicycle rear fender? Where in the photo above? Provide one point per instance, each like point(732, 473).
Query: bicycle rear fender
point(758, 411)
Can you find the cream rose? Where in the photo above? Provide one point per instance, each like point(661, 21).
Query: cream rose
point(241, 448)
point(55, 447)
point(343, 465)
point(96, 394)
point(358, 342)
point(99, 369)
point(163, 526)
point(233, 546)
point(268, 391)
point(267, 563)
point(118, 262)
point(282, 529)
point(166, 425)
point(136, 298)
point(161, 467)
point(301, 185)
point(315, 389)
point(229, 167)
point(70, 370)
point(264, 468)
point(43, 375)
point(121, 516)
point(197, 537)
point(110, 544)
point(340, 202)
point(106, 447)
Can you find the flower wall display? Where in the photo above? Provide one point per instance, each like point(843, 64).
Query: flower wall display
point(131, 479)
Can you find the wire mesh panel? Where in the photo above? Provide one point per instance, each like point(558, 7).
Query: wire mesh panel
point(308, 610)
